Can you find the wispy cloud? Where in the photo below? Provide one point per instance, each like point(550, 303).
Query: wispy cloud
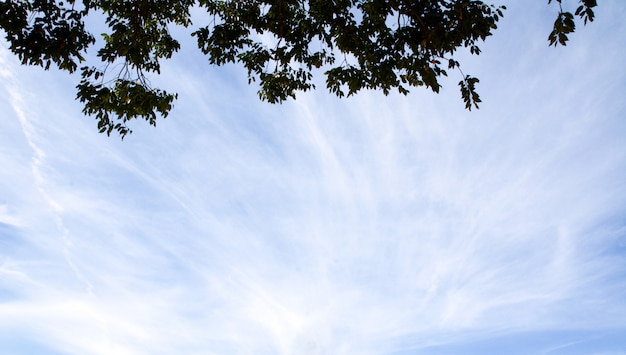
point(362, 226)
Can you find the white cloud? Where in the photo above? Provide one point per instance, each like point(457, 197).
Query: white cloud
point(368, 225)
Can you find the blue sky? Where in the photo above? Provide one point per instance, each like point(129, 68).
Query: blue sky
point(368, 225)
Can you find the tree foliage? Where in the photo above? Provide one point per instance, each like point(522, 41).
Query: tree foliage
point(357, 44)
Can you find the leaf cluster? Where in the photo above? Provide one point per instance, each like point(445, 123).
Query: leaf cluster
point(43, 32)
point(565, 24)
point(373, 44)
point(357, 44)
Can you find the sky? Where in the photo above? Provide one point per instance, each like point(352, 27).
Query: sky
point(369, 225)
